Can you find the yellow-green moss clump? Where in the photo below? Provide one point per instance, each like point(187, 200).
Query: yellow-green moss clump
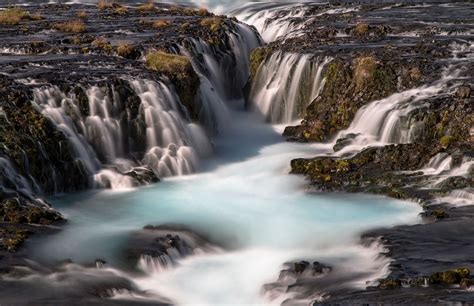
point(161, 24)
point(74, 26)
point(167, 63)
point(147, 7)
point(125, 50)
point(361, 29)
point(12, 16)
point(213, 23)
point(257, 57)
point(365, 68)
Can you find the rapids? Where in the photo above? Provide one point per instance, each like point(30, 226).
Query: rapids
point(227, 179)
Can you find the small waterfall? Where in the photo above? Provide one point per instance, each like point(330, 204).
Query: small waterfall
point(223, 74)
point(11, 182)
point(286, 84)
point(272, 20)
point(174, 144)
point(441, 162)
point(465, 169)
point(154, 265)
point(64, 112)
point(389, 120)
point(459, 197)
point(108, 134)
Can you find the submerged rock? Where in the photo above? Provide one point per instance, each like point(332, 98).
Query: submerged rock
point(163, 245)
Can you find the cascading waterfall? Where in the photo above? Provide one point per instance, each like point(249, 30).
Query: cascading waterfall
point(223, 75)
point(285, 84)
point(173, 143)
point(389, 120)
point(269, 20)
point(107, 139)
point(11, 182)
point(63, 111)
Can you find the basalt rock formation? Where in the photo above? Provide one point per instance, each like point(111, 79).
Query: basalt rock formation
point(103, 96)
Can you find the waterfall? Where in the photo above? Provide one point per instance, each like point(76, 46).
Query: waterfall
point(439, 163)
point(458, 197)
point(174, 144)
point(389, 120)
point(104, 136)
point(272, 20)
point(286, 84)
point(223, 74)
point(11, 182)
point(62, 110)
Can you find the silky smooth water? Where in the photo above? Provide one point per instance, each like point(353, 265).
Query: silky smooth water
point(243, 199)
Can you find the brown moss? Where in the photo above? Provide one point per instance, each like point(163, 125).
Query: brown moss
point(12, 16)
point(105, 4)
point(364, 70)
point(121, 10)
point(102, 43)
point(81, 14)
point(213, 23)
point(361, 29)
point(125, 50)
point(74, 26)
point(161, 24)
point(147, 7)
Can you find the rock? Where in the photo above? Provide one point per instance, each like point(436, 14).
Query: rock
point(464, 91)
point(465, 283)
point(439, 214)
point(390, 284)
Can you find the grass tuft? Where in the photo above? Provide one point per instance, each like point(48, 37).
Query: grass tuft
point(161, 24)
point(125, 50)
point(147, 7)
point(213, 23)
point(75, 26)
point(12, 16)
point(167, 63)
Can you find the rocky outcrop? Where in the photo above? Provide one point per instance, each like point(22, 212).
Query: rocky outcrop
point(87, 76)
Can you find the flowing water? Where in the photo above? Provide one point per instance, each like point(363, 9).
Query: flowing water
point(236, 191)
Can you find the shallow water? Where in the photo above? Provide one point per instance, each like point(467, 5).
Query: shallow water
point(245, 201)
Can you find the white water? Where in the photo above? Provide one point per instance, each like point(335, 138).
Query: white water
point(387, 120)
point(286, 84)
point(244, 198)
point(247, 200)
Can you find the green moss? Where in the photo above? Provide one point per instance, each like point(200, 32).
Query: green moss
point(390, 284)
point(364, 70)
point(450, 277)
point(445, 141)
point(342, 166)
point(167, 63)
point(213, 23)
point(439, 214)
point(257, 57)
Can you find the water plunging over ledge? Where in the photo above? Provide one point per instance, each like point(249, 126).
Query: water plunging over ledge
point(246, 200)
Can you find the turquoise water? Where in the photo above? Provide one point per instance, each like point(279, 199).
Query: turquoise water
point(244, 199)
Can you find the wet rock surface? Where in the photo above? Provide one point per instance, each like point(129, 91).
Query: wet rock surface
point(165, 244)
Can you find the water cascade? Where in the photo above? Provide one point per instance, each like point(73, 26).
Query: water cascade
point(159, 136)
point(285, 84)
point(389, 120)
